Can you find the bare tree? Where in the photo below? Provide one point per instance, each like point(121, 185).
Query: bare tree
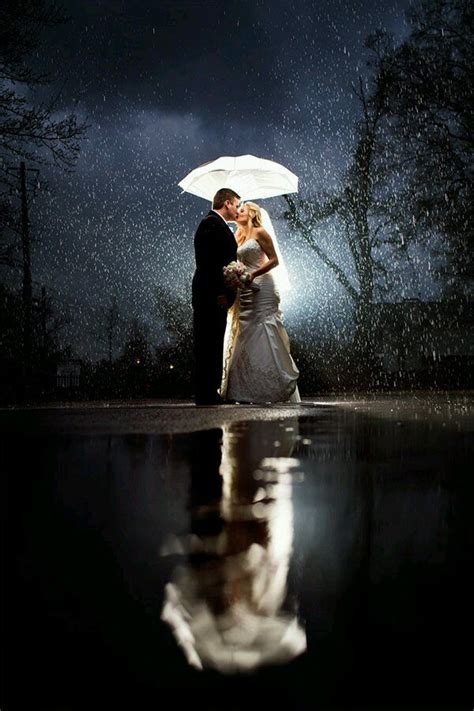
point(173, 309)
point(112, 324)
point(431, 108)
point(110, 327)
point(361, 206)
point(410, 172)
point(31, 132)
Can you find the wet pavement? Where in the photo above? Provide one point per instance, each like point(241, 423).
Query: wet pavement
point(313, 556)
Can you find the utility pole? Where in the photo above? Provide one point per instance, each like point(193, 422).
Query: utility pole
point(27, 290)
point(43, 317)
point(25, 239)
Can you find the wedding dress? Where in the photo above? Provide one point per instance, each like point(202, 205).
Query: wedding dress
point(258, 366)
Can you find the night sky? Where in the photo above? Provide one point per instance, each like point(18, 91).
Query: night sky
point(168, 85)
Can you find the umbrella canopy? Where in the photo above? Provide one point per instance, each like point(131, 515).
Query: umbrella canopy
point(251, 177)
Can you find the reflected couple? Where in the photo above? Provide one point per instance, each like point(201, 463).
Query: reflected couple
point(228, 604)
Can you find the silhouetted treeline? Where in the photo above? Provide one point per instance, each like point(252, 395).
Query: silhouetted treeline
point(138, 368)
point(416, 345)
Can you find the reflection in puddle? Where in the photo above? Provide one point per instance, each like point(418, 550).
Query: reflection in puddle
point(227, 603)
point(363, 565)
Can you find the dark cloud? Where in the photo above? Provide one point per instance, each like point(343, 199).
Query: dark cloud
point(251, 60)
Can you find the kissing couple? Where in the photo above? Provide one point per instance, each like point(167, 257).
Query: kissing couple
point(241, 348)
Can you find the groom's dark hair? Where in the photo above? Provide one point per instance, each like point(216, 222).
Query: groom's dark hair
point(221, 196)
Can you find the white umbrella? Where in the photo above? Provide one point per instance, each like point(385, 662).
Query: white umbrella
point(251, 177)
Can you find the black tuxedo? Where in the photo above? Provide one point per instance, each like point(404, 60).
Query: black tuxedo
point(214, 247)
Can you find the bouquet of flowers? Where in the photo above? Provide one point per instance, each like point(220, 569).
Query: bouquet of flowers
point(237, 277)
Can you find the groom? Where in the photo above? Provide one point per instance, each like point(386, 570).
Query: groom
point(215, 247)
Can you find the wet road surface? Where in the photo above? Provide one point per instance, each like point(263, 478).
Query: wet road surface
point(316, 557)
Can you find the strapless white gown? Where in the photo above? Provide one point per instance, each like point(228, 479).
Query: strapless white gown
point(258, 366)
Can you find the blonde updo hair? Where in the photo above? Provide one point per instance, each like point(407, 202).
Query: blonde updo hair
point(255, 220)
point(255, 214)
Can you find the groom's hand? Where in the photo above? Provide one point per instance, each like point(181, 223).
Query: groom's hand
point(222, 301)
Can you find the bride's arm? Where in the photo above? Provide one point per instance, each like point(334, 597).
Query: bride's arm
point(266, 243)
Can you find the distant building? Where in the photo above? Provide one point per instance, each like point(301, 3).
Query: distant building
point(68, 374)
point(414, 336)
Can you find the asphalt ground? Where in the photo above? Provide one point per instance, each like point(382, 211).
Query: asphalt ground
point(451, 408)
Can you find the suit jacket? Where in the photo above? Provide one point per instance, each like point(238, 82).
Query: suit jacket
point(214, 248)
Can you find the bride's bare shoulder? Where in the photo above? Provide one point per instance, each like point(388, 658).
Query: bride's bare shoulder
point(261, 234)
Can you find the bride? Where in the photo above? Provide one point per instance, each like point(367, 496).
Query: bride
point(258, 366)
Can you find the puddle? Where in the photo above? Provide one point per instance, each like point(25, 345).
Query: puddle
point(321, 561)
